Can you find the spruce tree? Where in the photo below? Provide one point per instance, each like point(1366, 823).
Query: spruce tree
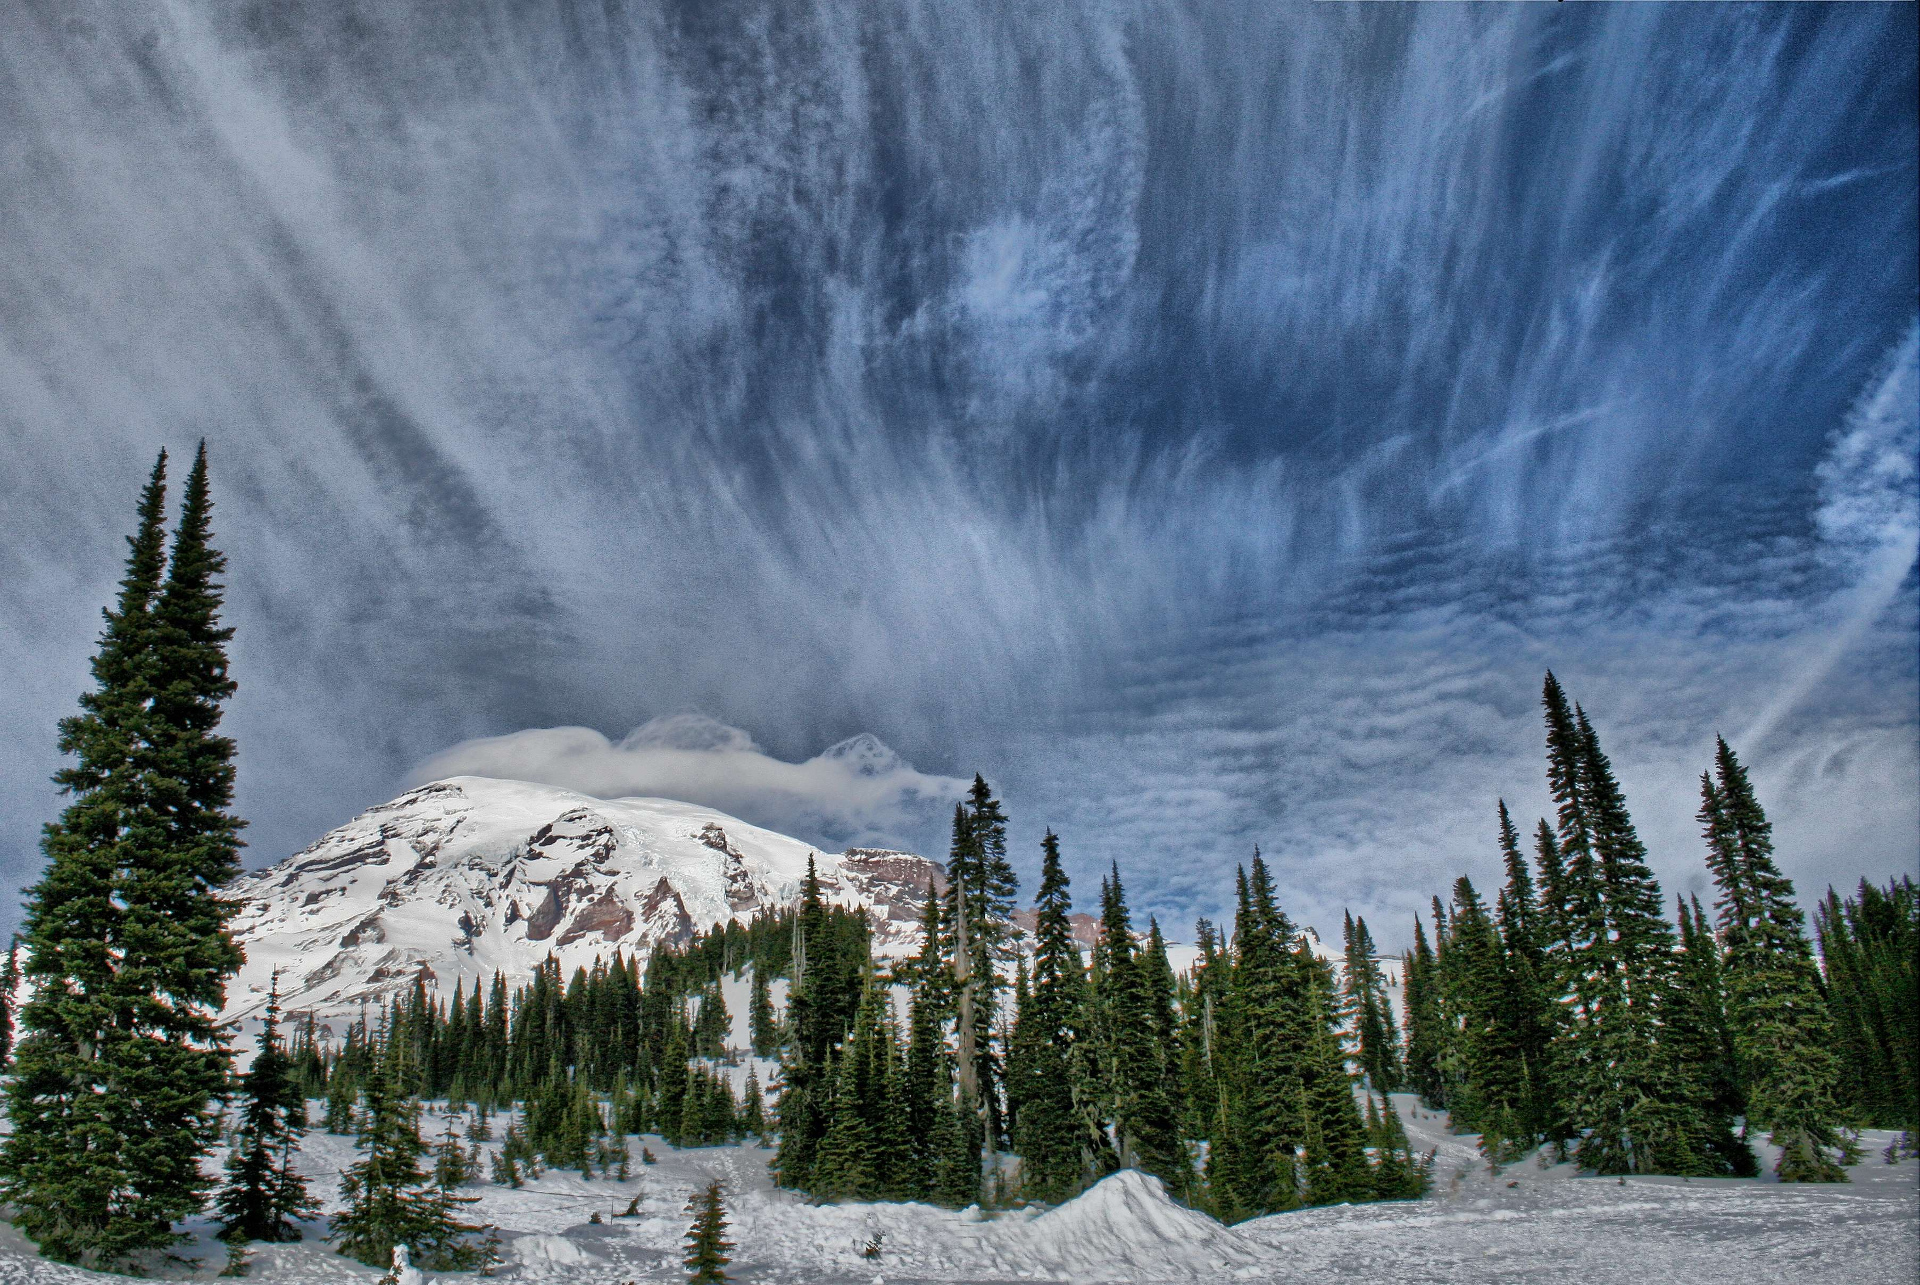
point(1782, 1034)
point(1624, 1082)
point(1870, 944)
point(1372, 1015)
point(1528, 1008)
point(707, 1243)
point(979, 920)
point(381, 1193)
point(1697, 1025)
point(264, 1193)
point(843, 1169)
point(64, 1167)
point(761, 1026)
point(957, 1144)
point(1048, 1137)
point(175, 952)
point(1426, 1037)
point(1143, 1119)
point(126, 948)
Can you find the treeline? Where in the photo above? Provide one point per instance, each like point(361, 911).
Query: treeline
point(1023, 1070)
point(1573, 1012)
point(607, 1051)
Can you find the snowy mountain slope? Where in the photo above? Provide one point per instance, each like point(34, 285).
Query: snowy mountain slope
point(462, 877)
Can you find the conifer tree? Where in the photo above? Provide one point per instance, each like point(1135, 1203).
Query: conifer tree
point(1372, 1015)
point(264, 1194)
point(761, 1026)
point(753, 1111)
point(175, 953)
point(1528, 1008)
point(64, 1166)
point(957, 1144)
point(1782, 1034)
point(1624, 1083)
point(383, 1204)
point(127, 952)
point(1870, 944)
point(1143, 1119)
point(1702, 1038)
point(843, 1170)
point(707, 1243)
point(924, 1087)
point(1048, 1136)
point(1425, 1034)
point(979, 920)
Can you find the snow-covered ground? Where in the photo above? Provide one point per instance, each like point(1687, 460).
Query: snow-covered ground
point(1526, 1223)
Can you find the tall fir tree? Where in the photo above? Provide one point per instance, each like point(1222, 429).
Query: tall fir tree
point(1870, 944)
point(264, 1194)
point(64, 1167)
point(762, 1028)
point(127, 952)
point(1702, 1036)
point(1782, 1033)
point(1426, 1035)
point(1623, 1080)
point(1048, 1137)
point(978, 919)
point(1367, 1005)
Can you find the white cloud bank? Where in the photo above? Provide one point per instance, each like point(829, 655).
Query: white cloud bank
point(856, 792)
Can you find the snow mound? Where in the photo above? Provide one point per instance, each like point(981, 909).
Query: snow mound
point(544, 1249)
point(1126, 1228)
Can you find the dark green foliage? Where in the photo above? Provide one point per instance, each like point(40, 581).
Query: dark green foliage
point(127, 951)
point(1426, 1029)
point(1047, 1132)
point(1623, 1080)
point(956, 1152)
point(264, 1193)
point(388, 1200)
point(1368, 1007)
point(9, 983)
point(1870, 944)
point(1702, 1037)
point(977, 923)
point(707, 1243)
point(761, 1026)
point(1782, 1035)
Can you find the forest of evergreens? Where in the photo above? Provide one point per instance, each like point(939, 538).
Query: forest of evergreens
point(995, 1065)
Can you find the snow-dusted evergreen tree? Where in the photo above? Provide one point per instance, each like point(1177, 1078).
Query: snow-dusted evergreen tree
point(1782, 1035)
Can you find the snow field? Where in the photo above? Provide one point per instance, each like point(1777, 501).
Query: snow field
point(1528, 1222)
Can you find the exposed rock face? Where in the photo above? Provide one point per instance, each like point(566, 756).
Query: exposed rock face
point(461, 878)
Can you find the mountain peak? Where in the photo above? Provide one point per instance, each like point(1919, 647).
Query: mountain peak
point(460, 878)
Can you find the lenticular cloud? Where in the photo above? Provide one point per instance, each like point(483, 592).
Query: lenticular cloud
point(858, 791)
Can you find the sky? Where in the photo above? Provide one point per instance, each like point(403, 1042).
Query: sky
point(1208, 422)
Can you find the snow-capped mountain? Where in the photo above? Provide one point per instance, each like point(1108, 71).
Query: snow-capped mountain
point(465, 876)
